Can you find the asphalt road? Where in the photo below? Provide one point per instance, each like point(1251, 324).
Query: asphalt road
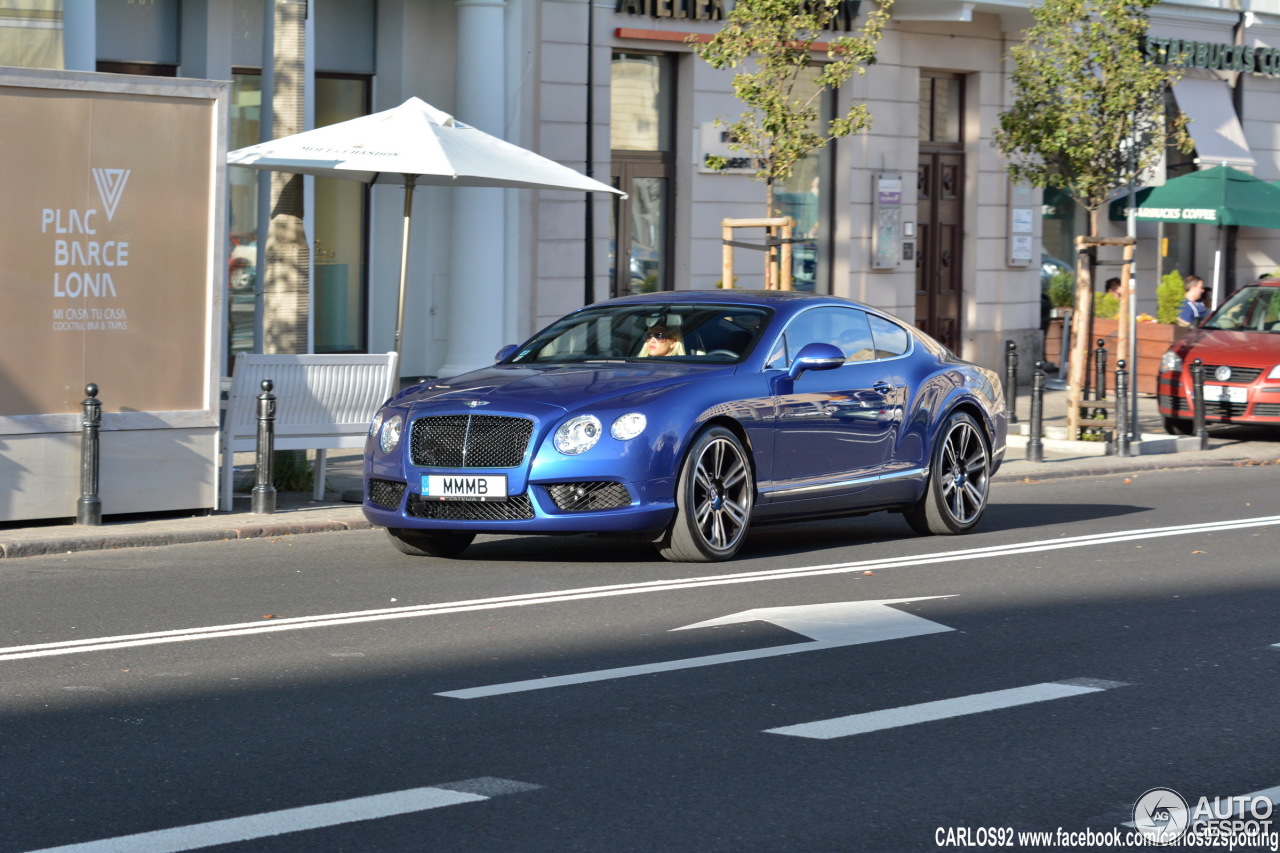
point(1097, 638)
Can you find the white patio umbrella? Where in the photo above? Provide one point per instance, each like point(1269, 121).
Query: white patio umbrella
point(411, 144)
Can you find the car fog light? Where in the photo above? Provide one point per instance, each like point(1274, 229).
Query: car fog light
point(628, 426)
point(577, 435)
point(1170, 362)
point(390, 435)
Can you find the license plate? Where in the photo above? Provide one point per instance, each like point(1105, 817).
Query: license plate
point(464, 487)
point(1226, 394)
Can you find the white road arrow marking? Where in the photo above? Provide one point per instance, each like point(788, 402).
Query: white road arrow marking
point(830, 626)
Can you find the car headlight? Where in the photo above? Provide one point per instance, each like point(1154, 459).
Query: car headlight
point(1170, 362)
point(578, 435)
point(1275, 372)
point(375, 424)
point(389, 437)
point(628, 426)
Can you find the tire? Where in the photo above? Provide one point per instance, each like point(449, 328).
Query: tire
point(417, 543)
point(714, 496)
point(955, 497)
point(1177, 426)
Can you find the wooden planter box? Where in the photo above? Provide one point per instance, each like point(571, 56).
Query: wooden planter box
point(1153, 340)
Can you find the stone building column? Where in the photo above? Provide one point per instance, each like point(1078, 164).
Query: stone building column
point(477, 280)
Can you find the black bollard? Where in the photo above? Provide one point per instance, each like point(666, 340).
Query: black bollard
point(1197, 404)
point(1100, 366)
point(264, 492)
point(1122, 409)
point(1011, 380)
point(1035, 447)
point(89, 507)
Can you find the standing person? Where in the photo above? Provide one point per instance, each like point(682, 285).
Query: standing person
point(1113, 286)
point(1192, 310)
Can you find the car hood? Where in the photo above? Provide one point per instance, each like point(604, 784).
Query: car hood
point(566, 387)
point(1240, 349)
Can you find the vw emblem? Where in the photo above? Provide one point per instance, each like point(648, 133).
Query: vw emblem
point(1223, 373)
point(473, 403)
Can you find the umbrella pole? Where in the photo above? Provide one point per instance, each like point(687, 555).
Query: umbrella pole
point(1217, 270)
point(409, 182)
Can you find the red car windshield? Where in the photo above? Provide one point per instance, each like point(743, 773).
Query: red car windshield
point(1252, 308)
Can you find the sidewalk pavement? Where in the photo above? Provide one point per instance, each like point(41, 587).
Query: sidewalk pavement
point(296, 513)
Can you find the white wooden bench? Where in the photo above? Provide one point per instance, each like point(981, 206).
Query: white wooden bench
point(323, 402)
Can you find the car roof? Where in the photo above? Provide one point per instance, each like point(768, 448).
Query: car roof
point(783, 300)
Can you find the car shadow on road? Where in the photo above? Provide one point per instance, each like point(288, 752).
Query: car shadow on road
point(776, 540)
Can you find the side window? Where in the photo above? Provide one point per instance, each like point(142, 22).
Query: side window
point(891, 339)
point(846, 328)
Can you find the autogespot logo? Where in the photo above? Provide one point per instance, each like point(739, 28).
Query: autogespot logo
point(1161, 815)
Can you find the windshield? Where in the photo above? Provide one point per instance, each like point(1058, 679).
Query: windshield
point(706, 334)
point(1250, 309)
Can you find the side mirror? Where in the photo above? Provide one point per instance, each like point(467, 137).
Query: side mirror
point(505, 353)
point(816, 357)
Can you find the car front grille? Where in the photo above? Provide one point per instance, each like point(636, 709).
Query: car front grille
point(514, 508)
point(584, 497)
point(1267, 410)
point(1219, 409)
point(1172, 403)
point(469, 441)
point(385, 493)
point(1239, 375)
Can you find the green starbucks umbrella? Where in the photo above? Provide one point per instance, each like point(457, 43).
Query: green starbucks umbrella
point(1217, 196)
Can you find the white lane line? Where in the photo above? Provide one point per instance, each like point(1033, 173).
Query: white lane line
point(926, 712)
point(281, 822)
point(643, 588)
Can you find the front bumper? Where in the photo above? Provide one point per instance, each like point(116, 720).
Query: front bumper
point(1260, 406)
point(551, 507)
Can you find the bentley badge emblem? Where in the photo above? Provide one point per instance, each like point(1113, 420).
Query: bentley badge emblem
point(473, 403)
point(1223, 373)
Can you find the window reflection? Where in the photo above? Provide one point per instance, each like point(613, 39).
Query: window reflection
point(641, 113)
point(648, 233)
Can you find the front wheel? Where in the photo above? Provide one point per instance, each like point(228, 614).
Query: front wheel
point(1177, 426)
point(956, 494)
point(714, 496)
point(418, 543)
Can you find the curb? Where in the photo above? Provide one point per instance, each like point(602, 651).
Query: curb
point(1124, 465)
point(106, 541)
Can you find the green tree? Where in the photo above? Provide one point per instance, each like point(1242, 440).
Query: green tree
point(772, 40)
point(1083, 91)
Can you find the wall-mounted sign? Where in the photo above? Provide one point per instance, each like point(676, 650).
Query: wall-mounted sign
point(713, 141)
point(713, 10)
point(1023, 207)
point(1246, 59)
point(886, 216)
point(698, 10)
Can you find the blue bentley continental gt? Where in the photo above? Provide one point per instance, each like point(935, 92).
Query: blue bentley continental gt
point(685, 417)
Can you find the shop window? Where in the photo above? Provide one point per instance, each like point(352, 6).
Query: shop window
point(642, 99)
point(340, 226)
point(803, 197)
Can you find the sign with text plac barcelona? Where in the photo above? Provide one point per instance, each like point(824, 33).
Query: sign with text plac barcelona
point(110, 270)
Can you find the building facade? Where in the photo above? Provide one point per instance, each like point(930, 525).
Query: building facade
point(915, 216)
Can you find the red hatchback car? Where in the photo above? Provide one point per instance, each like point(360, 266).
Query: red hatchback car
point(1239, 346)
